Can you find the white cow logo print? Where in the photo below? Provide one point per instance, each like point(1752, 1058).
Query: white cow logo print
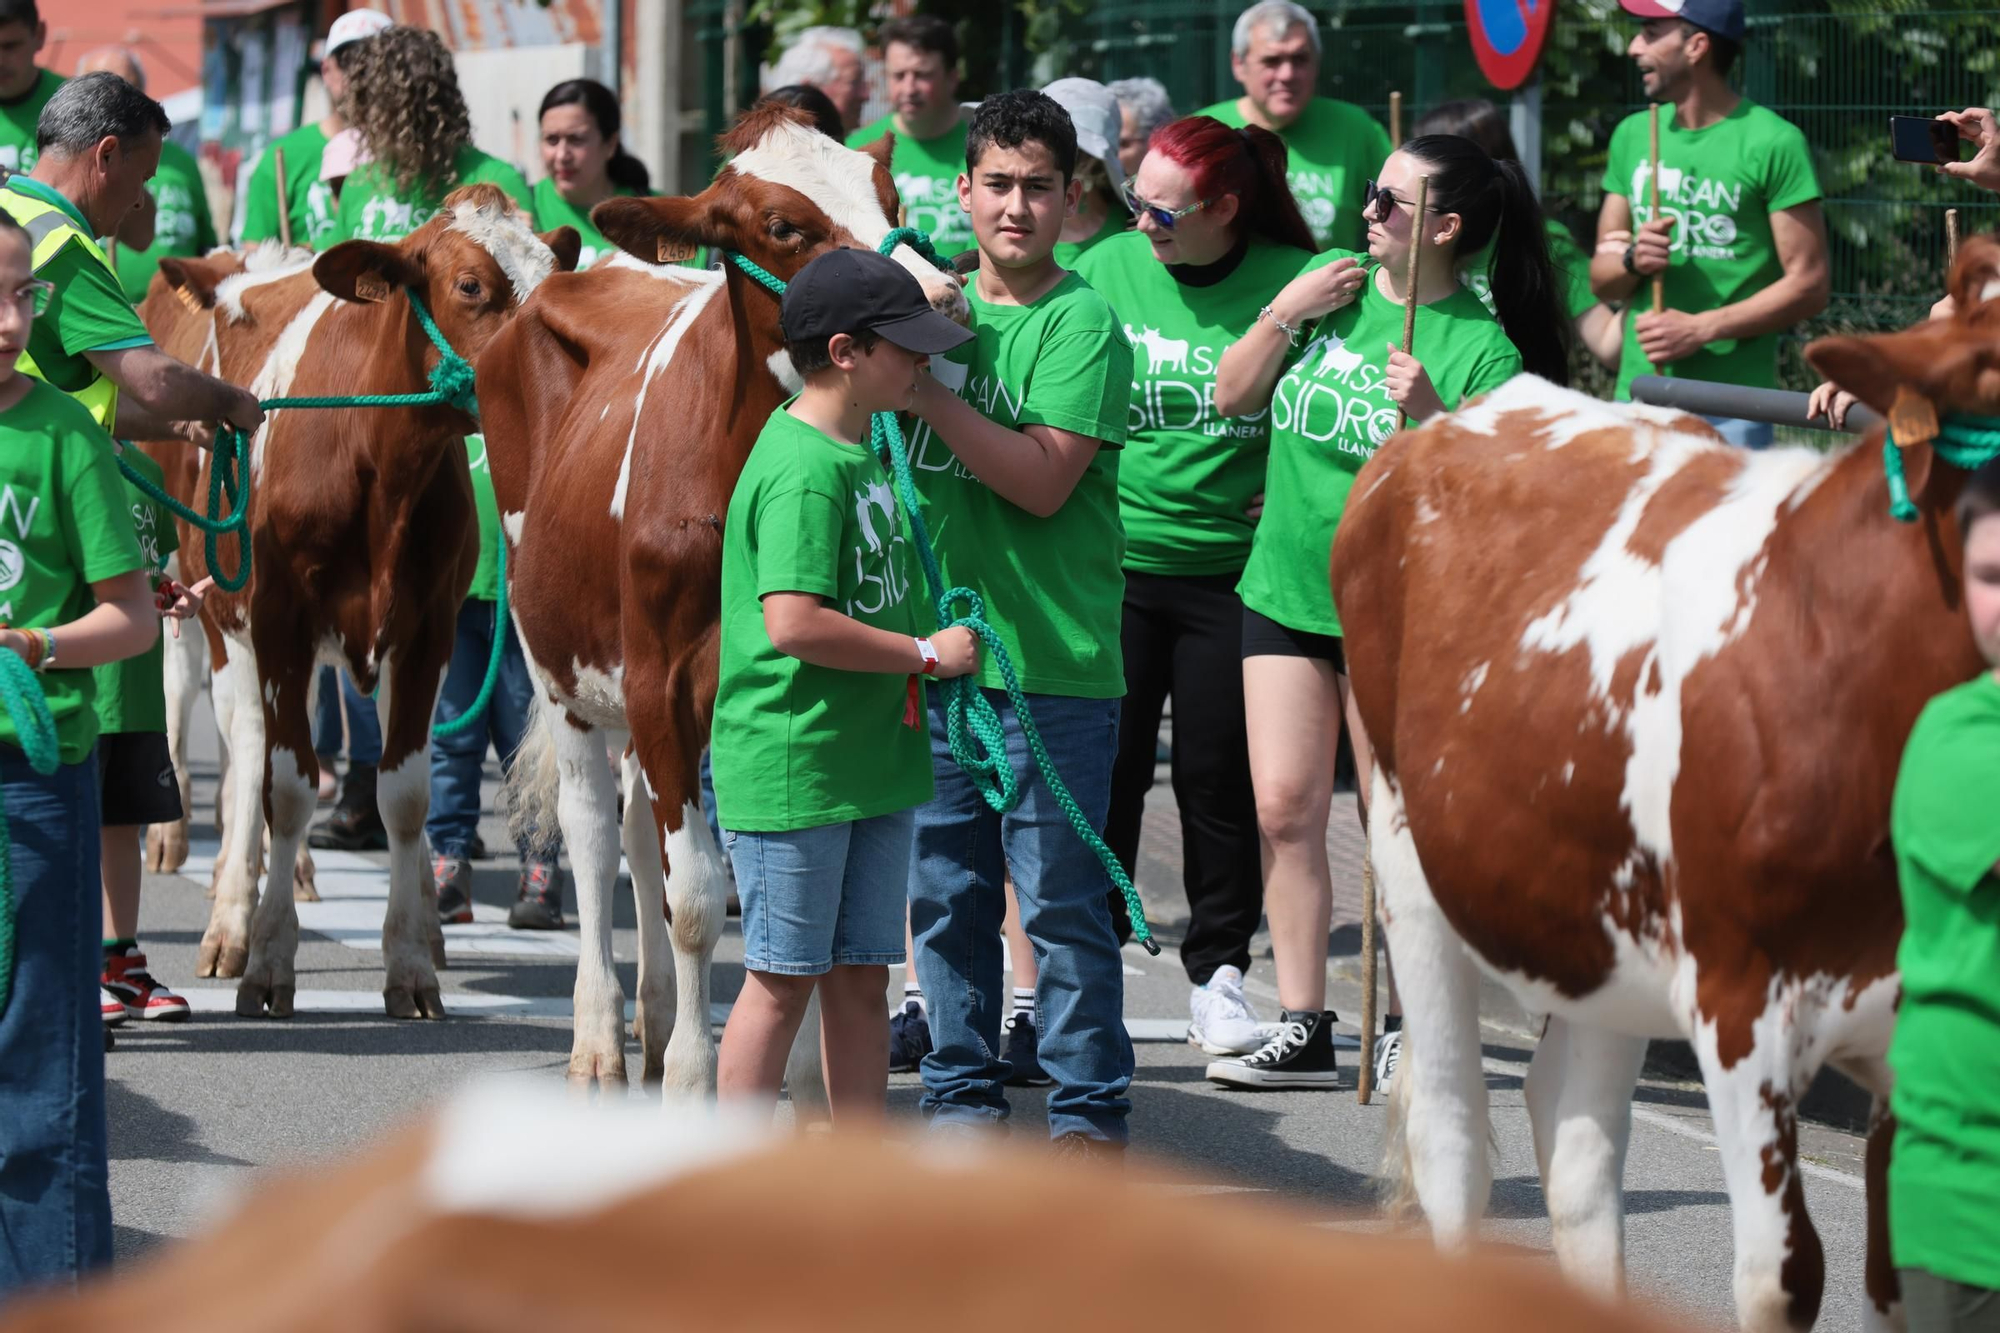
point(12, 565)
point(1162, 353)
point(876, 495)
point(879, 582)
point(1705, 208)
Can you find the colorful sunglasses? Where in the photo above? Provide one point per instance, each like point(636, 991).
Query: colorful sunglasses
point(1166, 217)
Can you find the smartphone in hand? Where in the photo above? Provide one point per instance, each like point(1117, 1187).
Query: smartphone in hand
point(1921, 139)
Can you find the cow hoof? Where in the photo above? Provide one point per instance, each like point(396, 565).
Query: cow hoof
point(303, 891)
point(283, 1001)
point(233, 962)
point(166, 848)
point(600, 1071)
point(259, 999)
point(403, 1002)
point(437, 953)
point(204, 962)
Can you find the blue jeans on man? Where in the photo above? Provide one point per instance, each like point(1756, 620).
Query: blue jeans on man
point(364, 725)
point(55, 1194)
point(457, 761)
point(1744, 434)
point(958, 870)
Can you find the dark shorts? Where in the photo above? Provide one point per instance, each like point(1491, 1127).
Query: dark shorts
point(1265, 637)
point(135, 779)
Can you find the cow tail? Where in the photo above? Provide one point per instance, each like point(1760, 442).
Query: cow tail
point(534, 782)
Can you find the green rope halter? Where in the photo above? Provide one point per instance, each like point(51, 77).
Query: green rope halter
point(1963, 441)
point(972, 725)
point(453, 384)
point(21, 695)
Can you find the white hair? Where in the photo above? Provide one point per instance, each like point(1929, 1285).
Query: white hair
point(1267, 16)
point(809, 59)
point(1147, 100)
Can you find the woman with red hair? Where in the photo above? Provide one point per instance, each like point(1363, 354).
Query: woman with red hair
point(1217, 231)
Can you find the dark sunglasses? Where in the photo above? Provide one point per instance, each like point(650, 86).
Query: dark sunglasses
point(1166, 217)
point(1377, 203)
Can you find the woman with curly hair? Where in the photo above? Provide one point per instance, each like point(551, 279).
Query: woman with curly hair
point(403, 97)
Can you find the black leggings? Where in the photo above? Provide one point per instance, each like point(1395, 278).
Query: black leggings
point(1182, 636)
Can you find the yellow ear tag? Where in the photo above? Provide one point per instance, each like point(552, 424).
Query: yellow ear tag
point(1912, 418)
point(671, 251)
point(188, 299)
point(371, 287)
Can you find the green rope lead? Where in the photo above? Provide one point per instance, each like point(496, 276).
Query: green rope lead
point(972, 725)
point(1963, 441)
point(493, 660)
point(35, 729)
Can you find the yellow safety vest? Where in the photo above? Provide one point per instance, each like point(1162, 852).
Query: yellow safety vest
point(49, 230)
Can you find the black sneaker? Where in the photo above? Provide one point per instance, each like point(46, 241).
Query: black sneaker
point(909, 1038)
point(454, 885)
point(355, 824)
point(1298, 1055)
point(538, 902)
point(1078, 1147)
point(1023, 1052)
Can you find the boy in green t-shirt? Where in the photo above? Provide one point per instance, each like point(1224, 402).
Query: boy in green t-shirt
point(1017, 467)
point(1944, 1167)
point(818, 741)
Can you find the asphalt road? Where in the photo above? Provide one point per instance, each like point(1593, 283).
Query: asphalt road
point(197, 1108)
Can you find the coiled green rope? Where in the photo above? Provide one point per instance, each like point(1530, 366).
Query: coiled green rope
point(972, 725)
point(453, 384)
point(35, 729)
point(1963, 441)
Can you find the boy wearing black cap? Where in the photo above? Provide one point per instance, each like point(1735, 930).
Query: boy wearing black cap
point(1741, 237)
point(819, 744)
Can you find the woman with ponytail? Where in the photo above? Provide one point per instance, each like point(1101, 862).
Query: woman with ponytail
point(1217, 231)
point(585, 161)
point(1326, 356)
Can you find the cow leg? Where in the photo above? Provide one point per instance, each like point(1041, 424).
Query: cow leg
point(407, 696)
point(185, 658)
point(291, 792)
point(1439, 1097)
point(1780, 1267)
point(225, 945)
point(653, 1023)
point(1579, 1094)
point(586, 805)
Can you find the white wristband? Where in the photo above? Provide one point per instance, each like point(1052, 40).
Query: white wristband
point(929, 654)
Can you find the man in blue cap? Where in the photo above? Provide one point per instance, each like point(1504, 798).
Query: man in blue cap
point(1740, 236)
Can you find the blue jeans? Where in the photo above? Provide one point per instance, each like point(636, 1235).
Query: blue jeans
point(55, 1196)
point(456, 760)
point(364, 727)
point(957, 895)
point(1744, 434)
point(819, 898)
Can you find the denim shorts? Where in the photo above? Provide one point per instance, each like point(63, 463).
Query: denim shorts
point(825, 897)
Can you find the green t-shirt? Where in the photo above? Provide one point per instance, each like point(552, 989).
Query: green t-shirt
point(371, 209)
point(132, 694)
point(1723, 183)
point(1335, 147)
point(87, 312)
point(1944, 1168)
point(486, 579)
point(18, 121)
point(1054, 587)
point(65, 523)
point(1116, 222)
point(1329, 414)
point(309, 201)
point(552, 211)
point(796, 745)
point(183, 226)
point(1571, 264)
point(927, 172)
point(1188, 473)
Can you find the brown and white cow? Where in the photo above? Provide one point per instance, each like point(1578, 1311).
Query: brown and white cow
point(619, 408)
point(364, 538)
point(1637, 701)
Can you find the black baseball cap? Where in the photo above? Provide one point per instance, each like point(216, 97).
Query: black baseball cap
point(844, 291)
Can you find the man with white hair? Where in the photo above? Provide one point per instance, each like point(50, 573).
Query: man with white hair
point(1335, 147)
point(832, 60)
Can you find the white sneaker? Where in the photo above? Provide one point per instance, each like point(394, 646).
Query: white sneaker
point(1222, 1022)
point(1388, 1051)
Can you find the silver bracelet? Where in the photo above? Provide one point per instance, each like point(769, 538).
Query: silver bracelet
point(1291, 333)
point(49, 652)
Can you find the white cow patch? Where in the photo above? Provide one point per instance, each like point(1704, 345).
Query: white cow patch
point(1566, 414)
point(282, 364)
point(511, 523)
point(268, 263)
point(657, 358)
point(784, 372)
point(1990, 290)
point(503, 232)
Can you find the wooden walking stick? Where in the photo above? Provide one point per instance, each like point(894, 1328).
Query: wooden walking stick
point(284, 201)
point(1653, 196)
point(1395, 120)
point(1410, 309)
point(1950, 240)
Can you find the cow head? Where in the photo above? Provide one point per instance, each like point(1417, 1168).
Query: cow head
point(1941, 367)
point(475, 261)
point(788, 194)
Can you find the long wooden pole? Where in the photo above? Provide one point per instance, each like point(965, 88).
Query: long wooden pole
point(284, 201)
point(1950, 240)
point(1395, 120)
point(1417, 212)
point(1653, 215)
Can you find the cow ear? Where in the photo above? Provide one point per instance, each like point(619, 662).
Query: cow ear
point(1882, 368)
point(192, 281)
point(882, 149)
point(660, 230)
point(567, 245)
point(366, 271)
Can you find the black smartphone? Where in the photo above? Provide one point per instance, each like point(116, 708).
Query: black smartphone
point(1921, 139)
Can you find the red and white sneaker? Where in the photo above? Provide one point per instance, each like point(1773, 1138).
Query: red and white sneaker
point(127, 981)
point(114, 1008)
